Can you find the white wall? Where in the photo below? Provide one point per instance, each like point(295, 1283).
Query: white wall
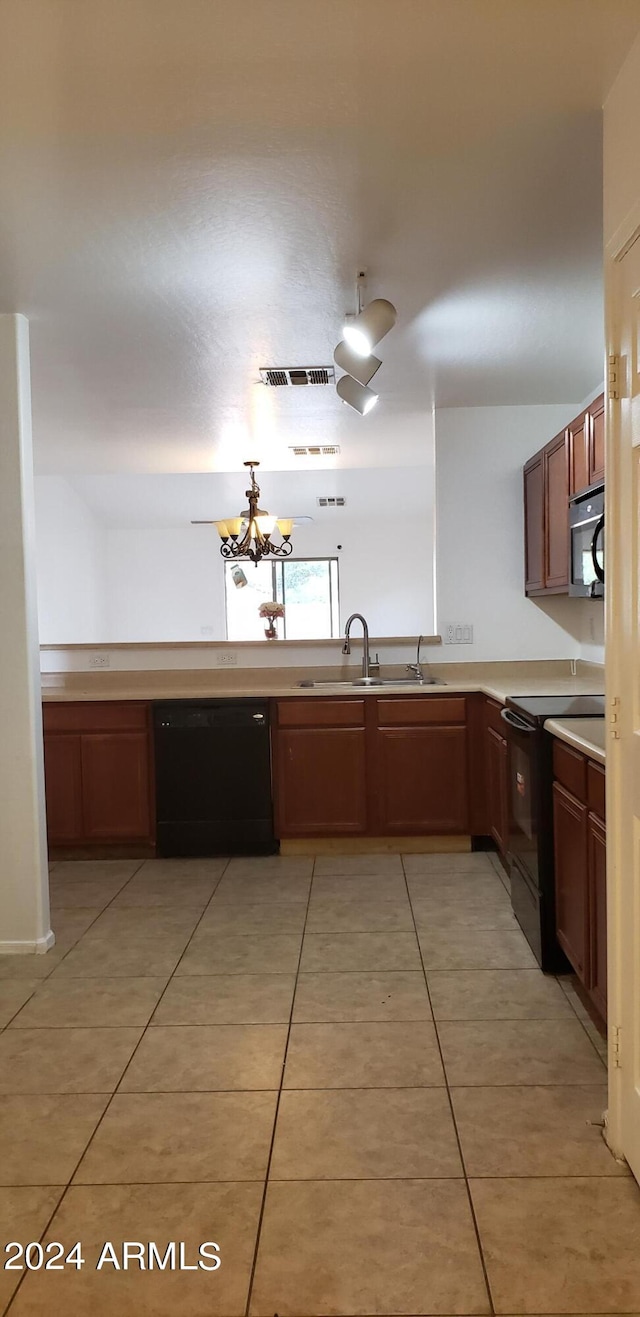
point(167, 583)
point(71, 558)
point(480, 453)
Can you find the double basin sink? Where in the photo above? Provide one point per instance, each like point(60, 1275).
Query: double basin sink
point(410, 683)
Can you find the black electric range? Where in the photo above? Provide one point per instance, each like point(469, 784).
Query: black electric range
point(530, 777)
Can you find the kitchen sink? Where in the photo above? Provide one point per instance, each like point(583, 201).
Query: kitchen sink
point(410, 683)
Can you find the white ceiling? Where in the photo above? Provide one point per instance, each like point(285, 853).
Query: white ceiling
point(187, 187)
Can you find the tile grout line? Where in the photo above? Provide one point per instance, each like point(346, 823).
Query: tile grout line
point(277, 1109)
point(113, 1093)
point(453, 1116)
point(66, 1186)
point(46, 977)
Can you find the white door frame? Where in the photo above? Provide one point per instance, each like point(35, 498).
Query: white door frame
point(623, 977)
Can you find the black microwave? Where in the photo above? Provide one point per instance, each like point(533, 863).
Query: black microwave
point(586, 531)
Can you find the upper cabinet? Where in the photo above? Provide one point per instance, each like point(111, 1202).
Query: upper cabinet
point(534, 524)
point(556, 506)
point(571, 462)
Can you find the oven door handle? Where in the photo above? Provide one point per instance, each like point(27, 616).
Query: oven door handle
point(514, 721)
point(594, 548)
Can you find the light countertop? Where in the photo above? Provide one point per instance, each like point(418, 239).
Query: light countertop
point(585, 734)
point(497, 680)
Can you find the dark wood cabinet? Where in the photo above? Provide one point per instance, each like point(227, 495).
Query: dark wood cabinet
point(556, 493)
point(596, 444)
point(597, 870)
point(564, 467)
point(580, 844)
point(321, 782)
point(422, 780)
point(115, 786)
point(98, 776)
point(534, 555)
point(63, 789)
point(570, 847)
point(388, 766)
point(498, 789)
point(578, 433)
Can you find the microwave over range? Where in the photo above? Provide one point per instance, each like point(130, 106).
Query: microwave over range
point(586, 543)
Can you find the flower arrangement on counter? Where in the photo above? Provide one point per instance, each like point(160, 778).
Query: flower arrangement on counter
point(272, 611)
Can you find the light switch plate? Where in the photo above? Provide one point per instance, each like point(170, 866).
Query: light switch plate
point(458, 633)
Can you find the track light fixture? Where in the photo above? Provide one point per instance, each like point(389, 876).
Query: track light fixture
point(354, 353)
point(370, 326)
point(356, 395)
point(362, 369)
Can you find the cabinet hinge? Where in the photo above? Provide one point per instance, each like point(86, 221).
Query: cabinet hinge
point(614, 1046)
point(614, 376)
point(614, 717)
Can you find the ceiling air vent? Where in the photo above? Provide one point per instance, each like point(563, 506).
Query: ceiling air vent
point(331, 502)
point(279, 377)
point(315, 450)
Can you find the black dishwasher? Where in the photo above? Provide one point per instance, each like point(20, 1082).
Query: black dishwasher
point(213, 778)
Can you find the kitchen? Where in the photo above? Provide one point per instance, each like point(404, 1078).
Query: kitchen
point(346, 1021)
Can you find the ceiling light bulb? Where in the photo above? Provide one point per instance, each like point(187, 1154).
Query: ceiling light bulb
point(361, 368)
point(356, 395)
point(370, 326)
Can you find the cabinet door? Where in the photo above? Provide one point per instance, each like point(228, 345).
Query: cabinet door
point(579, 454)
point(557, 514)
point(498, 788)
point(571, 861)
point(597, 841)
point(321, 781)
point(116, 789)
point(534, 523)
point(422, 780)
point(63, 788)
point(596, 440)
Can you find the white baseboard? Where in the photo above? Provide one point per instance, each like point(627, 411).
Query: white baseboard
point(38, 947)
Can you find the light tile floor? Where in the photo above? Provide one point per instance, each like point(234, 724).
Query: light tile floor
point(351, 1075)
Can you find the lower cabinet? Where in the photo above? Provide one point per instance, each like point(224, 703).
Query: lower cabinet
point(597, 871)
point(371, 767)
point(570, 845)
point(497, 781)
point(98, 776)
point(580, 869)
point(422, 780)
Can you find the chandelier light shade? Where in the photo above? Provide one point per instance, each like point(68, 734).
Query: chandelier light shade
point(356, 395)
point(249, 535)
point(361, 369)
point(370, 326)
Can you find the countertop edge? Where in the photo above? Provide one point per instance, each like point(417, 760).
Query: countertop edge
point(563, 730)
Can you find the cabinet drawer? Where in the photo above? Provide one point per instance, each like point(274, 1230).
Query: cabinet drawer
point(319, 712)
point(107, 716)
point(596, 789)
point(570, 768)
point(420, 710)
point(493, 715)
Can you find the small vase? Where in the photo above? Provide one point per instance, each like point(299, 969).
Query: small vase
point(270, 632)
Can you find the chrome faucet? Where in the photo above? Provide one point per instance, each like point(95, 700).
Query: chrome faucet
point(416, 668)
point(346, 648)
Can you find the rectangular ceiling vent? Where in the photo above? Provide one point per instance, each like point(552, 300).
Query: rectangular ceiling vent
point(331, 502)
point(315, 450)
point(279, 377)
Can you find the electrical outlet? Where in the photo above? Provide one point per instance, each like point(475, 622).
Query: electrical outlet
point(99, 660)
point(227, 658)
point(206, 630)
point(458, 633)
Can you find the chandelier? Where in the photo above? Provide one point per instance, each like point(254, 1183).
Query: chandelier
point(249, 535)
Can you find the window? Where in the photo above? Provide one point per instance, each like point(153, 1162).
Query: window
point(308, 588)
